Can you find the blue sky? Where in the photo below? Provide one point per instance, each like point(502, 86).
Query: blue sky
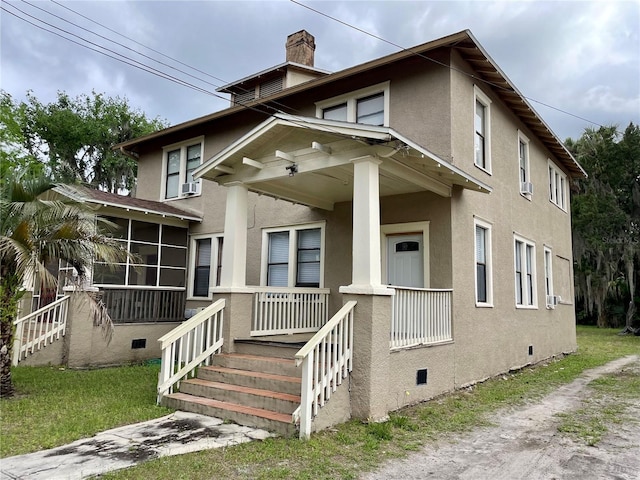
point(582, 57)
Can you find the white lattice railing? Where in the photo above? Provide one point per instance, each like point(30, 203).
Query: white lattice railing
point(326, 359)
point(420, 316)
point(278, 310)
point(39, 329)
point(190, 345)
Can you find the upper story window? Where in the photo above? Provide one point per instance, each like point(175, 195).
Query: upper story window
point(482, 130)
point(180, 161)
point(369, 106)
point(524, 175)
point(525, 272)
point(557, 186)
point(293, 256)
point(484, 283)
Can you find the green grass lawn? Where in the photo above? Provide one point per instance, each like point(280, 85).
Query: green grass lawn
point(54, 406)
point(126, 394)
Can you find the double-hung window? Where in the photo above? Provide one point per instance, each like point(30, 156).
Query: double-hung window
point(482, 130)
point(525, 273)
point(483, 263)
point(557, 186)
point(293, 256)
point(369, 106)
point(207, 264)
point(180, 161)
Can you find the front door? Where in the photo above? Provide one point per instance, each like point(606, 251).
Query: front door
point(405, 260)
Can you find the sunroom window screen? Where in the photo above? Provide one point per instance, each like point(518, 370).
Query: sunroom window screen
point(308, 274)
point(278, 266)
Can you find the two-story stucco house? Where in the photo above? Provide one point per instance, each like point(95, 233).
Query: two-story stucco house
point(415, 205)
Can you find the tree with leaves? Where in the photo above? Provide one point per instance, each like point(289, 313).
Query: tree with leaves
point(606, 226)
point(73, 137)
point(36, 229)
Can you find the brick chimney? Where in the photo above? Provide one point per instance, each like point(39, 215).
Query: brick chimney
point(300, 47)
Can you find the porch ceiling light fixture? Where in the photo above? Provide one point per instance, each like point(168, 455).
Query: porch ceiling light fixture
point(293, 169)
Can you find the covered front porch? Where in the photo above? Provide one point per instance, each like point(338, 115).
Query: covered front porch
point(351, 176)
point(329, 165)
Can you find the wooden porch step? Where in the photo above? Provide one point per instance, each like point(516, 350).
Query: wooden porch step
point(257, 363)
point(241, 414)
point(246, 378)
point(268, 347)
point(250, 397)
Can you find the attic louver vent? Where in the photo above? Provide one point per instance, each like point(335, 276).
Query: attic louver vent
point(271, 87)
point(244, 97)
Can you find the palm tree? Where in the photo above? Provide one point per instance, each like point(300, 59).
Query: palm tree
point(36, 229)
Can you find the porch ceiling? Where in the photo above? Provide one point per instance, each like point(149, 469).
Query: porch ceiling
point(309, 161)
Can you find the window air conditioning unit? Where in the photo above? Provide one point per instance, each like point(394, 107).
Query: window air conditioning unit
point(190, 188)
point(526, 188)
point(552, 301)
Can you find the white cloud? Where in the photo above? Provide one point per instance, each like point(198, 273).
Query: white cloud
point(604, 98)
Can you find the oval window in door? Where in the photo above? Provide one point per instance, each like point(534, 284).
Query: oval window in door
point(407, 247)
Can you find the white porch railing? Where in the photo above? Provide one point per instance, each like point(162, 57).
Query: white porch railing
point(326, 359)
point(281, 310)
point(420, 316)
point(39, 329)
point(190, 345)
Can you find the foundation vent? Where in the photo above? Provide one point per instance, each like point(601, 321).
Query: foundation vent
point(421, 377)
point(138, 343)
point(530, 350)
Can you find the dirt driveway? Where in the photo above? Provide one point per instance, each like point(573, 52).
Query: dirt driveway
point(526, 443)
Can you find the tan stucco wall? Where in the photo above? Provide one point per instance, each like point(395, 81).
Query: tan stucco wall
point(403, 368)
point(52, 354)
point(487, 341)
point(86, 344)
point(492, 340)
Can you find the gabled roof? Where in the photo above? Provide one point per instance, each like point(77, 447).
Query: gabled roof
point(106, 199)
point(309, 160)
point(470, 50)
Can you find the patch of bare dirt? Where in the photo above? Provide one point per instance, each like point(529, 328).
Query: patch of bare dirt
point(525, 443)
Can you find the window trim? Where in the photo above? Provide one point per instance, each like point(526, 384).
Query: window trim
point(182, 174)
point(487, 226)
point(351, 100)
point(558, 174)
point(293, 252)
point(525, 272)
point(523, 139)
point(213, 268)
point(480, 96)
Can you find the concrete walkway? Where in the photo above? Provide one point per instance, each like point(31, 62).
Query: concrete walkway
point(123, 447)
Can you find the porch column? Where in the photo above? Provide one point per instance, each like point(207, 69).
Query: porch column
point(366, 222)
point(234, 249)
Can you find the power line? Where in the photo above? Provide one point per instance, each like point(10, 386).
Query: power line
point(419, 54)
point(137, 64)
point(119, 44)
point(243, 90)
point(122, 58)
